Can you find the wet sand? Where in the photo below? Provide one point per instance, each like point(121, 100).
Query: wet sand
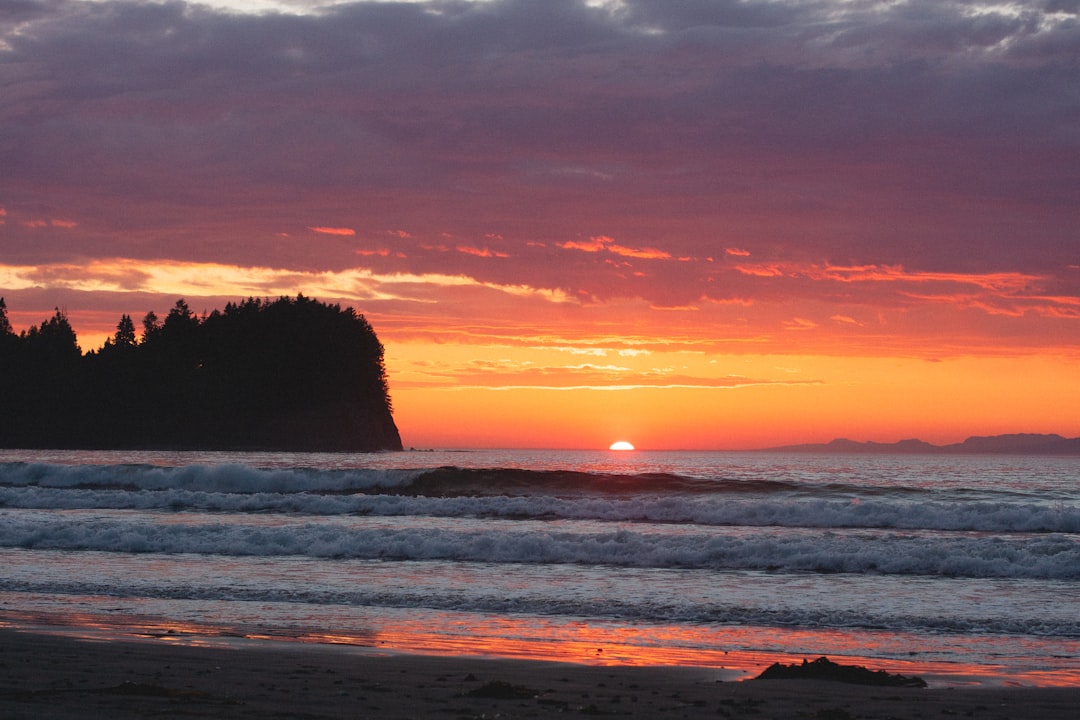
point(51, 676)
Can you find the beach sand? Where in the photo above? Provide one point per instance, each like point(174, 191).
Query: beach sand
point(53, 676)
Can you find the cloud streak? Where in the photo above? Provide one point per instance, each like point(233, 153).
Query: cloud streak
point(342, 231)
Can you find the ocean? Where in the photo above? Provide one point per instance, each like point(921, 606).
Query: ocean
point(964, 569)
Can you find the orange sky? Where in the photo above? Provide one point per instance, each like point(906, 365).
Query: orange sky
point(478, 365)
point(722, 225)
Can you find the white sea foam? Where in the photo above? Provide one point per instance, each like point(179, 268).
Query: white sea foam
point(717, 510)
point(1051, 556)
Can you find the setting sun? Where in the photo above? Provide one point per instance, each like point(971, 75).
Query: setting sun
point(621, 445)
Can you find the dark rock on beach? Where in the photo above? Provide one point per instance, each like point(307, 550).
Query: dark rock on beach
point(825, 669)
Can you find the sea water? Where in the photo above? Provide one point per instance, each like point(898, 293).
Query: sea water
point(962, 568)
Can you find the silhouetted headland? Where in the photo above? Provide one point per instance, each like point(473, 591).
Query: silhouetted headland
point(289, 374)
point(1013, 444)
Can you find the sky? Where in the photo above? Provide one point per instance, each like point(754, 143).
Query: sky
point(700, 224)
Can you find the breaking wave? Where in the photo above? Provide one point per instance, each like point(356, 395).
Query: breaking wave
point(1049, 556)
point(524, 495)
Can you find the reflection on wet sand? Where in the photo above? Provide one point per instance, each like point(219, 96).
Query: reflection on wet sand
point(734, 653)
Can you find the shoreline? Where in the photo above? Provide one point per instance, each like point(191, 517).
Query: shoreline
point(46, 675)
point(398, 636)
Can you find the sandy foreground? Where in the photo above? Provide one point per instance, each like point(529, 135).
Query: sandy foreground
point(49, 676)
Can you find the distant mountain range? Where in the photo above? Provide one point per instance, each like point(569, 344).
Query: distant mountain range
point(1014, 444)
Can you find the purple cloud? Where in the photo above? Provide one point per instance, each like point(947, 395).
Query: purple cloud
point(919, 134)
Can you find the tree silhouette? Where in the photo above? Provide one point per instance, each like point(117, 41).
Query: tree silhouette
point(43, 370)
point(151, 325)
point(289, 374)
point(9, 342)
point(9, 356)
point(125, 332)
point(55, 340)
point(5, 325)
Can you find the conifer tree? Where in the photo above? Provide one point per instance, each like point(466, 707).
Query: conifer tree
point(151, 325)
point(5, 325)
point(125, 332)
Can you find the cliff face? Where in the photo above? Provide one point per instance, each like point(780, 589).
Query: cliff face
point(293, 374)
